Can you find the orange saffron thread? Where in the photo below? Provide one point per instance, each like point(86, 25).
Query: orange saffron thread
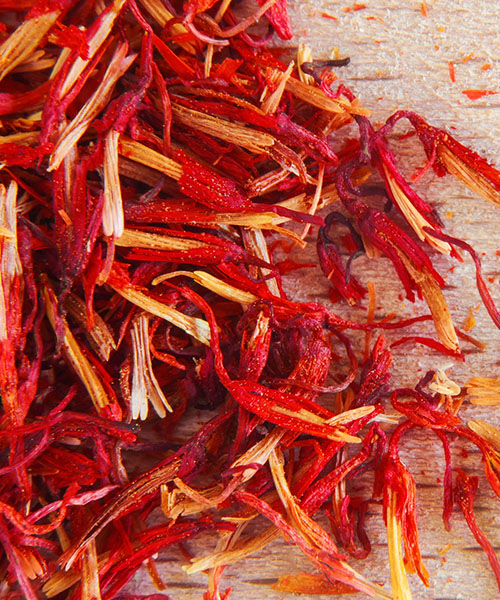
point(476, 94)
point(451, 70)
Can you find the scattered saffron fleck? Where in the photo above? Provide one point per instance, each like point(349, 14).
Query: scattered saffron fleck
point(376, 18)
point(445, 549)
point(477, 94)
point(451, 71)
point(470, 321)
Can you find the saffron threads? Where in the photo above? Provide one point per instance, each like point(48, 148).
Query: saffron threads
point(158, 162)
point(477, 94)
point(451, 71)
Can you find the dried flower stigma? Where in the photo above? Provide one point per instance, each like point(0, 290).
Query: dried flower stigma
point(162, 175)
point(399, 580)
point(483, 391)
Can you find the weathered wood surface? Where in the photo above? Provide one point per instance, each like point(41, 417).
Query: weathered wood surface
point(399, 59)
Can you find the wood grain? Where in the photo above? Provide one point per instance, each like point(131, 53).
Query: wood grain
point(399, 59)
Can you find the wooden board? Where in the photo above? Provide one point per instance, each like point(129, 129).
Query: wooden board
point(400, 59)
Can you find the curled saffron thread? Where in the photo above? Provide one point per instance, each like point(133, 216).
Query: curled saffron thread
point(157, 161)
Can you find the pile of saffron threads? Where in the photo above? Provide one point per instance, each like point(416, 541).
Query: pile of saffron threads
point(155, 156)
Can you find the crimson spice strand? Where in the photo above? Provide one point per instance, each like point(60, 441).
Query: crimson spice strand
point(152, 157)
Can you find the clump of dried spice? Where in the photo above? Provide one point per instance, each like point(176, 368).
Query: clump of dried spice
point(153, 155)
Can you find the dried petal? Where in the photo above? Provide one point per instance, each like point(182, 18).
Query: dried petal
point(332, 567)
point(112, 213)
point(436, 302)
point(146, 156)
point(454, 158)
point(316, 97)
point(132, 494)
point(144, 383)
point(90, 573)
point(484, 391)
point(271, 102)
point(212, 283)
point(101, 337)
point(97, 36)
point(442, 384)
point(198, 328)
point(70, 135)
point(25, 39)
point(77, 359)
point(311, 583)
point(399, 581)
point(403, 196)
point(251, 139)
point(11, 267)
